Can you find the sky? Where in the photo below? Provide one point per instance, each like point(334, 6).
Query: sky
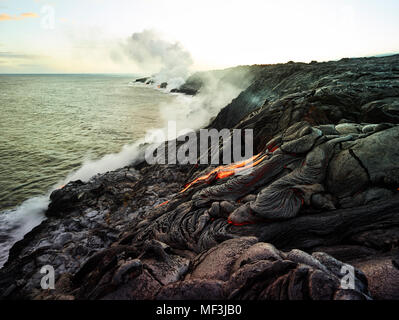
point(90, 36)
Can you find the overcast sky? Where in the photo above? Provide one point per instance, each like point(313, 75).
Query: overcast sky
point(88, 35)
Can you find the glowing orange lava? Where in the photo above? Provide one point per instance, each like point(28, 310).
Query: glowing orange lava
point(163, 203)
point(223, 172)
point(239, 224)
point(274, 149)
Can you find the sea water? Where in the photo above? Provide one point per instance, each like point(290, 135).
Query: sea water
point(57, 128)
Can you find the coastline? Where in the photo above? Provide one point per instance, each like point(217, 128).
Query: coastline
point(108, 237)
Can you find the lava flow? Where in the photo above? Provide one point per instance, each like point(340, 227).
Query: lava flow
point(243, 224)
point(223, 172)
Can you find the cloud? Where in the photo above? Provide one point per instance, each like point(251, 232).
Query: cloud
point(11, 62)
point(150, 52)
point(29, 15)
point(7, 17)
point(14, 55)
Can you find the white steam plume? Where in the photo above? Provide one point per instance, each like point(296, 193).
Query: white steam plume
point(152, 53)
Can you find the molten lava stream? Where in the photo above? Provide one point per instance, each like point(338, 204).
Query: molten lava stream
point(163, 203)
point(223, 172)
point(240, 224)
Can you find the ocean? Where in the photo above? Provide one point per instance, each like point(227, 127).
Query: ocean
point(60, 128)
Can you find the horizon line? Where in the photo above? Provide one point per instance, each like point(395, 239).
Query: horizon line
point(194, 71)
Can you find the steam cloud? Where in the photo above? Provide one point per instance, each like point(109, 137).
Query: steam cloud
point(149, 51)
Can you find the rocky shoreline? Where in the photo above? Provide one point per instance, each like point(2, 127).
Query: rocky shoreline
point(322, 197)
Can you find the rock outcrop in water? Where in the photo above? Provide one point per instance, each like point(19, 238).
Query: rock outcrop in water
point(320, 197)
point(237, 77)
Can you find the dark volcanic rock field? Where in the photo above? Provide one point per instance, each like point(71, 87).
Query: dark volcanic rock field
point(321, 196)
